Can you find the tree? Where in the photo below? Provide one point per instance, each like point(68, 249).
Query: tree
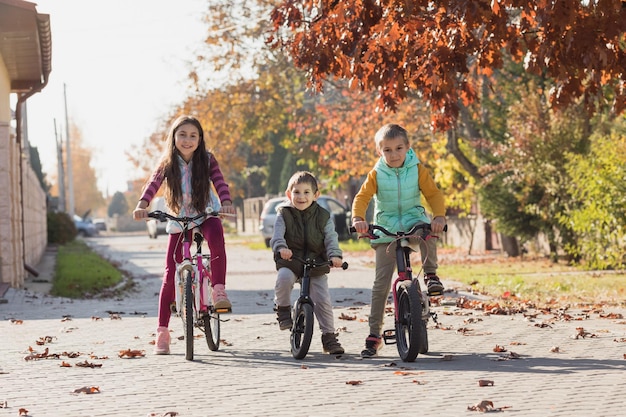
point(397, 47)
point(35, 163)
point(597, 185)
point(118, 205)
point(87, 196)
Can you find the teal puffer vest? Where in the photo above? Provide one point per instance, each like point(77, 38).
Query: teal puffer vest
point(398, 199)
point(304, 233)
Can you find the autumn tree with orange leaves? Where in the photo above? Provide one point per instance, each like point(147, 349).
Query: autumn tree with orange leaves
point(441, 49)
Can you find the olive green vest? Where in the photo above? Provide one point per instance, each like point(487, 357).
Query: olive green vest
point(304, 233)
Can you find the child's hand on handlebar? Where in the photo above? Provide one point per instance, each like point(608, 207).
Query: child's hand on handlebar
point(285, 254)
point(438, 224)
point(360, 226)
point(337, 262)
point(140, 213)
point(227, 209)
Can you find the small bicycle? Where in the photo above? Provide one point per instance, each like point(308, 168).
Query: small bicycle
point(193, 289)
point(303, 320)
point(411, 305)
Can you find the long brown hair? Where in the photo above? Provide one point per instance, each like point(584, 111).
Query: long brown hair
point(200, 183)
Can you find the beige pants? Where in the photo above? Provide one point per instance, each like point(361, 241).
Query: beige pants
point(318, 291)
point(385, 267)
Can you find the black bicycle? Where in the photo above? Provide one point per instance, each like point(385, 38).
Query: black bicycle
point(303, 319)
point(411, 305)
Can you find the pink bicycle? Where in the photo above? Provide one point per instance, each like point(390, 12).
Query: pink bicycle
point(193, 285)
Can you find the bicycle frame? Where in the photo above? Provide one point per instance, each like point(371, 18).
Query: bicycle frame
point(200, 271)
point(411, 305)
point(302, 330)
point(192, 285)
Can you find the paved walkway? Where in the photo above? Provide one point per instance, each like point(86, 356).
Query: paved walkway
point(554, 363)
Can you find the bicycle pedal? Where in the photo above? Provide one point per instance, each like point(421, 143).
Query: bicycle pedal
point(389, 336)
point(434, 293)
point(223, 310)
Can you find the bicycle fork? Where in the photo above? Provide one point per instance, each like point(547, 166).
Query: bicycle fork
point(179, 284)
point(404, 278)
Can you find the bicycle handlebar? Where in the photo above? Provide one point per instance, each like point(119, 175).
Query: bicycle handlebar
point(424, 227)
point(163, 216)
point(311, 262)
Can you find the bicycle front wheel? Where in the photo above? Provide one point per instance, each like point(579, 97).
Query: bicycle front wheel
point(188, 314)
point(302, 331)
point(410, 328)
point(212, 330)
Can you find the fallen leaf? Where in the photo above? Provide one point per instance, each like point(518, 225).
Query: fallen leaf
point(22, 412)
point(486, 406)
point(485, 383)
point(87, 364)
point(131, 353)
point(65, 365)
point(581, 332)
point(16, 321)
point(354, 382)
point(555, 349)
point(404, 373)
point(344, 316)
point(87, 390)
point(499, 348)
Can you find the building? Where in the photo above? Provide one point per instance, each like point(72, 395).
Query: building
point(25, 65)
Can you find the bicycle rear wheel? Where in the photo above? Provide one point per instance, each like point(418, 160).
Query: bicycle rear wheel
point(188, 314)
point(302, 331)
point(212, 330)
point(410, 328)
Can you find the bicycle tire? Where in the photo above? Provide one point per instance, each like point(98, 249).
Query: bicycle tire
point(302, 331)
point(188, 314)
point(423, 335)
point(409, 324)
point(212, 330)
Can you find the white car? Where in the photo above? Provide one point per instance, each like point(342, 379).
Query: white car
point(338, 211)
point(154, 226)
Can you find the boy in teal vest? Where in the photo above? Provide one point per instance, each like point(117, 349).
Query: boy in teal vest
point(304, 229)
point(396, 184)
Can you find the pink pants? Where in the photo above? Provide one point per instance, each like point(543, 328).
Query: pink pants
point(214, 235)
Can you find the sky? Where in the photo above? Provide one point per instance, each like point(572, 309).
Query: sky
point(123, 65)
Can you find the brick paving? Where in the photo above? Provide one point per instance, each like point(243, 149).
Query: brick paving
point(546, 369)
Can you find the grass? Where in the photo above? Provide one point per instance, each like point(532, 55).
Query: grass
point(537, 280)
point(82, 273)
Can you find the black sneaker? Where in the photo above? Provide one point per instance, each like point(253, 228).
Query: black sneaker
point(372, 346)
point(435, 287)
point(283, 316)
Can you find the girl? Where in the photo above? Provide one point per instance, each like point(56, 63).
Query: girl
point(191, 176)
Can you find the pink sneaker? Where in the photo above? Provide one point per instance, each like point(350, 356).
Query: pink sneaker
point(162, 344)
point(220, 300)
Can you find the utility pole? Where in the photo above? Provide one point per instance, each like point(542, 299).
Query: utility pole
point(68, 152)
point(60, 169)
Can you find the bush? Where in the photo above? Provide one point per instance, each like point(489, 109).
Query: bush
point(61, 228)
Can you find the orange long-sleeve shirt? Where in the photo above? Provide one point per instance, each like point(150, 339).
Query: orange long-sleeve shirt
point(427, 186)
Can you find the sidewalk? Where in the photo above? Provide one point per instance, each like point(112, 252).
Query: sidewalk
point(549, 366)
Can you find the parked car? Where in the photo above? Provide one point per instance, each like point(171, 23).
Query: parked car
point(155, 227)
point(101, 224)
point(84, 226)
point(338, 211)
